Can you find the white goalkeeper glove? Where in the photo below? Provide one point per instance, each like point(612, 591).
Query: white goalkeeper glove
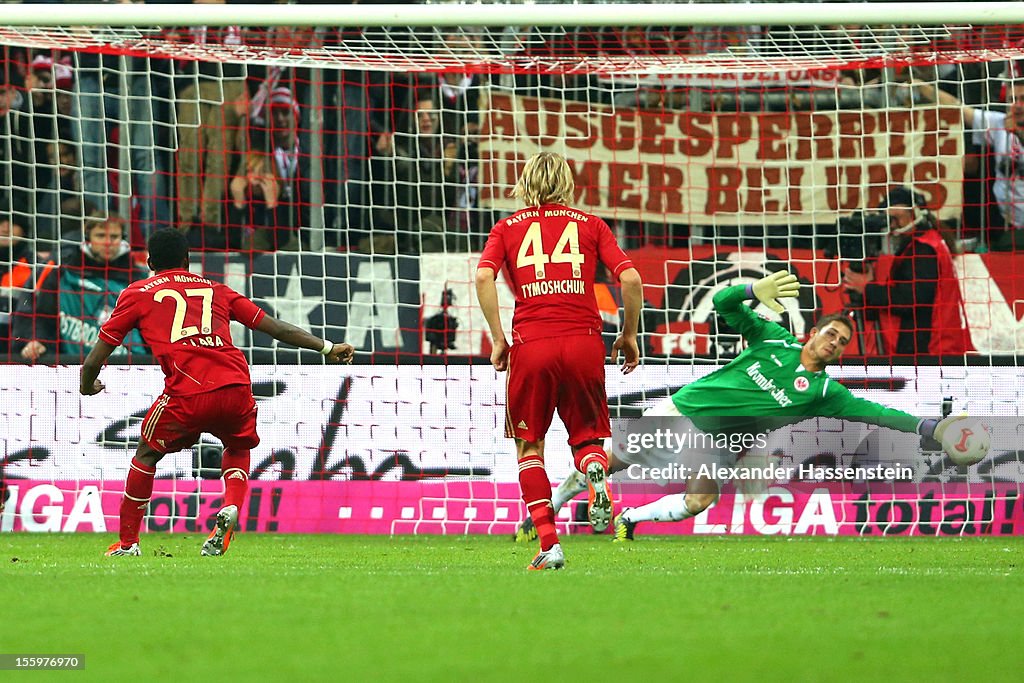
point(780, 285)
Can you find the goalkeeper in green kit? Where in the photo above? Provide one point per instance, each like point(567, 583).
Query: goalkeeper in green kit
point(775, 381)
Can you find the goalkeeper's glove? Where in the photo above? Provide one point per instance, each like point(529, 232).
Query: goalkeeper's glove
point(936, 428)
point(768, 290)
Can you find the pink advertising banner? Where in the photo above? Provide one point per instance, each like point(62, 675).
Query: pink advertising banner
point(407, 507)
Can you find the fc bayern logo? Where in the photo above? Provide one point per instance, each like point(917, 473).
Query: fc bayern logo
point(801, 384)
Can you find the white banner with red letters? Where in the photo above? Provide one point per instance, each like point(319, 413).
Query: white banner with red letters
point(699, 168)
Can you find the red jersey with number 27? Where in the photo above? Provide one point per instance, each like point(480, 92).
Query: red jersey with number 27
point(552, 253)
point(185, 319)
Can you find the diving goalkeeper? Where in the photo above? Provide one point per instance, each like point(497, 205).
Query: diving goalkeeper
point(775, 381)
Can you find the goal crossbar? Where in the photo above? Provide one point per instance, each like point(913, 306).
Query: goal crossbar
point(654, 14)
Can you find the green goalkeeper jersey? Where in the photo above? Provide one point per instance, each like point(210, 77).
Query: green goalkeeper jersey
point(767, 387)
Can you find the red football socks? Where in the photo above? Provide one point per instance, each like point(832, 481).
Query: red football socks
point(137, 492)
point(585, 455)
point(234, 467)
point(536, 488)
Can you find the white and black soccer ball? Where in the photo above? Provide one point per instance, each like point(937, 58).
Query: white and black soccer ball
point(966, 442)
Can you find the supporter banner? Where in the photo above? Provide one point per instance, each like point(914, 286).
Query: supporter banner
point(480, 507)
point(760, 168)
point(416, 423)
point(372, 302)
point(821, 78)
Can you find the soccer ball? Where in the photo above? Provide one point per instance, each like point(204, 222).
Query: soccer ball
point(966, 442)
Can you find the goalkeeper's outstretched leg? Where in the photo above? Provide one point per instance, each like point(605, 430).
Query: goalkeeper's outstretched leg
point(701, 493)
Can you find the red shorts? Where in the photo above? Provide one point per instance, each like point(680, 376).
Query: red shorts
point(563, 373)
point(174, 423)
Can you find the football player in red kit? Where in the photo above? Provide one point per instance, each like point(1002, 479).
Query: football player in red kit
point(556, 360)
point(184, 319)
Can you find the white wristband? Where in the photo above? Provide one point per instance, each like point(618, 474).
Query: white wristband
point(328, 347)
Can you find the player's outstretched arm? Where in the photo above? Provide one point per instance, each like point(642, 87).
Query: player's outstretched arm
point(296, 336)
point(90, 384)
point(839, 402)
point(781, 285)
point(487, 295)
point(632, 302)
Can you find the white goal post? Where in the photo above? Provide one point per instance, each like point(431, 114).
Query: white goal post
point(519, 14)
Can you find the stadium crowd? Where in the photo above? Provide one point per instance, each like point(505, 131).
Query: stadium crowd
point(263, 158)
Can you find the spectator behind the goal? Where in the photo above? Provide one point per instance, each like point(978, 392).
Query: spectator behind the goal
point(64, 100)
point(65, 153)
point(281, 223)
point(17, 268)
point(1003, 135)
point(212, 123)
point(458, 95)
point(255, 190)
point(14, 172)
point(35, 123)
point(915, 301)
point(426, 174)
point(59, 321)
point(69, 182)
point(98, 110)
point(637, 42)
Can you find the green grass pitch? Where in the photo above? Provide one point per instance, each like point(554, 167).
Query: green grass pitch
point(456, 608)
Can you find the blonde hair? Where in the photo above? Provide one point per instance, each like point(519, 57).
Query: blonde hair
point(546, 179)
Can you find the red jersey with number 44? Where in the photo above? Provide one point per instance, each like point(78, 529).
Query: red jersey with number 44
point(184, 319)
point(552, 253)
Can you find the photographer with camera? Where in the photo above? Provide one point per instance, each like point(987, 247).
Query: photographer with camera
point(914, 297)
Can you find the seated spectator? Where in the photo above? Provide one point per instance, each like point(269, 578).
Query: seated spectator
point(269, 186)
point(17, 269)
point(291, 209)
point(212, 120)
point(426, 175)
point(255, 191)
point(59, 322)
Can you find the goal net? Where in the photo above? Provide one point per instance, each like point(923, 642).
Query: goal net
point(342, 166)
